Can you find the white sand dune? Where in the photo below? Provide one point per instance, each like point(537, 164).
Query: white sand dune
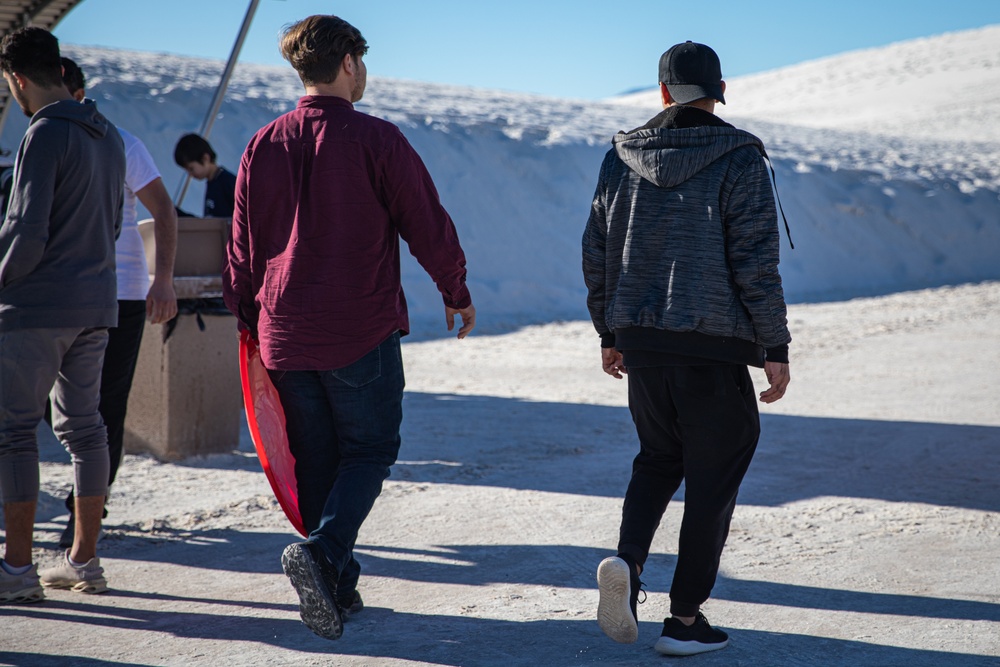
point(873, 208)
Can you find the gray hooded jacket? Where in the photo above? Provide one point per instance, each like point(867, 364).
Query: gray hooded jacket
point(683, 238)
point(57, 243)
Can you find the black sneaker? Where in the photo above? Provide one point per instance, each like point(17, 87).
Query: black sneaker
point(699, 637)
point(317, 605)
point(349, 603)
point(66, 539)
point(619, 586)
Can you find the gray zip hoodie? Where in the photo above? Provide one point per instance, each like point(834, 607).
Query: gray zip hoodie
point(681, 247)
point(57, 243)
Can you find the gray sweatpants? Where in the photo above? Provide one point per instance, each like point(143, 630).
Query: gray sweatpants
point(63, 365)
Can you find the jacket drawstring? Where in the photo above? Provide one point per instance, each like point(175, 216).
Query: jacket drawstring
point(774, 179)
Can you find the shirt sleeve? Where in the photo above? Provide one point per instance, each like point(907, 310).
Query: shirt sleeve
point(752, 246)
point(416, 210)
point(220, 195)
point(230, 190)
point(237, 286)
point(25, 231)
point(140, 169)
point(594, 260)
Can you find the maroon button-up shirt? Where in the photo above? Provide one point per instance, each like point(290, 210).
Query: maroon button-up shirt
point(323, 195)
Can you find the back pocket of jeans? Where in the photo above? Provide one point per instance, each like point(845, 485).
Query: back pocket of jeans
point(365, 370)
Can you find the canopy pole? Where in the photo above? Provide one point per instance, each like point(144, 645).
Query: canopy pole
point(220, 91)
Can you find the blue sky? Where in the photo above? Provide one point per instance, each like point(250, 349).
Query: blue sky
point(583, 49)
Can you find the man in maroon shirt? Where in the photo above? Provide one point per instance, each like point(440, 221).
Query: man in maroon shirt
point(323, 195)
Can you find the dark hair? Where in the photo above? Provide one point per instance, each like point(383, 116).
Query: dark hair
point(72, 76)
point(316, 47)
point(32, 53)
point(191, 148)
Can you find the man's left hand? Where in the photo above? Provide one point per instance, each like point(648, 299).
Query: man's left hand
point(468, 316)
point(778, 377)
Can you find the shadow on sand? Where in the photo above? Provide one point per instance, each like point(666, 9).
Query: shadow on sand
point(588, 449)
point(466, 640)
point(576, 449)
point(559, 566)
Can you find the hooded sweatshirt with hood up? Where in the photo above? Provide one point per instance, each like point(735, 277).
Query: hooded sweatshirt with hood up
point(57, 243)
point(680, 254)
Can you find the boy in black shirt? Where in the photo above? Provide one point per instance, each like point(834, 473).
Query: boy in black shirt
point(195, 156)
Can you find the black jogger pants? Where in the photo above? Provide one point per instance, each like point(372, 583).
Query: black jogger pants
point(698, 424)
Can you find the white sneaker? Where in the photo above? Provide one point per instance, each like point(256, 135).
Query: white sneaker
point(20, 588)
point(89, 578)
point(615, 615)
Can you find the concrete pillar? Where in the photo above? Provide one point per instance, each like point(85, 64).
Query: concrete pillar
point(186, 397)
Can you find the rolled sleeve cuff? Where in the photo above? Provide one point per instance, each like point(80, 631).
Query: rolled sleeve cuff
point(777, 354)
point(461, 299)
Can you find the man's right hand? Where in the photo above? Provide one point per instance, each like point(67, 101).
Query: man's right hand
point(468, 316)
point(778, 376)
point(161, 301)
point(613, 362)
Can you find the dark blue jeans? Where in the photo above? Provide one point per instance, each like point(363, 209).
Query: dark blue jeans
point(343, 429)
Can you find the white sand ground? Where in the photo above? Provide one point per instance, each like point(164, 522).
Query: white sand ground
point(867, 534)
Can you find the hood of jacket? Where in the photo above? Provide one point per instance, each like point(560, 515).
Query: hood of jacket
point(678, 143)
point(86, 115)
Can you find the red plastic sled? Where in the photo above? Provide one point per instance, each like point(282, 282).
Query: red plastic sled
point(266, 419)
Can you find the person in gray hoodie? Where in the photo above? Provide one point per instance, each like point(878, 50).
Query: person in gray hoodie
point(57, 300)
point(680, 259)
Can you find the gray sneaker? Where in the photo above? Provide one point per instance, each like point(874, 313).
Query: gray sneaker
point(20, 588)
point(317, 606)
point(86, 579)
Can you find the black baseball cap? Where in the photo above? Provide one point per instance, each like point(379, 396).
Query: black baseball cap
point(691, 71)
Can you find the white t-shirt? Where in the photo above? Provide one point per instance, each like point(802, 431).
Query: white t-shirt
point(130, 257)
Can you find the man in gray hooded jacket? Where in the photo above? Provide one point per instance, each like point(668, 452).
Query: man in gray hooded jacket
point(57, 300)
point(680, 258)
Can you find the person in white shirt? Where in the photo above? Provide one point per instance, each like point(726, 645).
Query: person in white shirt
point(138, 299)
